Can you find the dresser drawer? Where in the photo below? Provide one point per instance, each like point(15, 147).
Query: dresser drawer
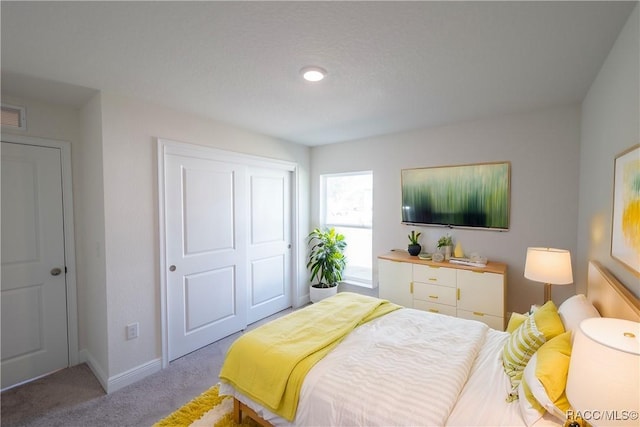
point(494, 322)
point(481, 292)
point(434, 275)
point(434, 308)
point(434, 293)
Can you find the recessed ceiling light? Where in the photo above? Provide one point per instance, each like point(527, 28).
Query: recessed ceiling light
point(313, 74)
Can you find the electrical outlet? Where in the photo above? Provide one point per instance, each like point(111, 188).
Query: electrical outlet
point(132, 330)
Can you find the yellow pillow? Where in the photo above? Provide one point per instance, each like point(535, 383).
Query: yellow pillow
point(515, 321)
point(544, 379)
point(548, 320)
point(536, 329)
point(553, 365)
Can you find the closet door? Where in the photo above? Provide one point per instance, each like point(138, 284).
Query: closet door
point(269, 245)
point(226, 233)
point(205, 205)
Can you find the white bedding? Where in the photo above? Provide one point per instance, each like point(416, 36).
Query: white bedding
point(488, 380)
point(409, 367)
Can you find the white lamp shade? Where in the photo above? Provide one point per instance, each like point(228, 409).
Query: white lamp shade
point(548, 265)
point(604, 372)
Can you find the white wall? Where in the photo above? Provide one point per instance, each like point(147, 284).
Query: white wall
point(543, 148)
point(90, 234)
point(129, 130)
point(610, 125)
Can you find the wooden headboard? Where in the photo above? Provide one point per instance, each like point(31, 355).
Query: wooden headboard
point(609, 296)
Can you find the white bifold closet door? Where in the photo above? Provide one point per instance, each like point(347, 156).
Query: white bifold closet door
point(228, 255)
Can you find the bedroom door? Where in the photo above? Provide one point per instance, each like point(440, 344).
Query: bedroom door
point(34, 294)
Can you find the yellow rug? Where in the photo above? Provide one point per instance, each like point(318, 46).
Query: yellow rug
point(208, 409)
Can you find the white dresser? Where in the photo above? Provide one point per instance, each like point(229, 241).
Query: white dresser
point(441, 287)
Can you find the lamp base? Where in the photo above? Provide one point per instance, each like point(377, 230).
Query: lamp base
point(575, 421)
point(547, 292)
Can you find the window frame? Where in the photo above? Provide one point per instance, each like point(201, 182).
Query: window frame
point(352, 280)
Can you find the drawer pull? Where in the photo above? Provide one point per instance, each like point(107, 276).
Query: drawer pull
point(433, 279)
point(458, 294)
point(477, 313)
point(433, 296)
point(433, 310)
point(411, 288)
point(478, 271)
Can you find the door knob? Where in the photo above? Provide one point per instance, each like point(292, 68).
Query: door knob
point(55, 271)
point(172, 268)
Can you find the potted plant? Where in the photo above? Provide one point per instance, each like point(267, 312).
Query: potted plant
point(414, 247)
point(326, 262)
point(444, 245)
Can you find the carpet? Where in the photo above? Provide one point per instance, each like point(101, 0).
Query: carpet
point(209, 409)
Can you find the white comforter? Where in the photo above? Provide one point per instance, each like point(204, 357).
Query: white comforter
point(360, 381)
point(409, 367)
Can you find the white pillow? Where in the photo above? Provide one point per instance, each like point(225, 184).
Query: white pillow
point(530, 409)
point(544, 380)
point(574, 310)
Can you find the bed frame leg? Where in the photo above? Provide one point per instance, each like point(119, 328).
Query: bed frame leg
point(239, 408)
point(237, 411)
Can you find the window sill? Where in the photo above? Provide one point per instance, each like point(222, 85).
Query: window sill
point(360, 284)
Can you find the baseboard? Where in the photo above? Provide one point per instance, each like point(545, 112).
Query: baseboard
point(302, 301)
point(133, 375)
point(111, 384)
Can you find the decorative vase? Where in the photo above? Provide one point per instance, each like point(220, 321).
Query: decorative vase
point(447, 253)
point(414, 249)
point(458, 252)
point(318, 294)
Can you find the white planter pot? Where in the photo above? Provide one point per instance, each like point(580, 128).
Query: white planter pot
point(318, 294)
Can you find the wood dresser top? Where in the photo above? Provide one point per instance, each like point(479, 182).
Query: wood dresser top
point(403, 256)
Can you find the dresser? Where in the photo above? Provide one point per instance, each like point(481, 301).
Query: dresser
point(446, 288)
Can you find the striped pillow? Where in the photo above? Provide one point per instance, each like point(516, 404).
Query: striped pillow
point(544, 324)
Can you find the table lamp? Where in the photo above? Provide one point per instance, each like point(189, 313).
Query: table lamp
point(603, 385)
point(549, 266)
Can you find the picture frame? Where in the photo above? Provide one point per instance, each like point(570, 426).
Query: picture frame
point(625, 223)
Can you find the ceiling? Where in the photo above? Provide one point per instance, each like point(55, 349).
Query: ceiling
point(392, 66)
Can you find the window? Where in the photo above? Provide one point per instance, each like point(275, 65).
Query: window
point(347, 204)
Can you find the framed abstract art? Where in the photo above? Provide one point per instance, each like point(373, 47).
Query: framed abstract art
point(625, 224)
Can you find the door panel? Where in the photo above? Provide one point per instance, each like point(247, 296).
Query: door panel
point(197, 287)
point(263, 272)
point(269, 249)
point(34, 305)
point(204, 200)
point(208, 226)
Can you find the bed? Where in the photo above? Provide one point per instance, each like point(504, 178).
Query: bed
point(410, 367)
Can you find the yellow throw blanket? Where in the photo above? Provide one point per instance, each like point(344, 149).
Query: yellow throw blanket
point(269, 363)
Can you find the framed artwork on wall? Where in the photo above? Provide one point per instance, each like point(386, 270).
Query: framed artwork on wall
point(625, 224)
